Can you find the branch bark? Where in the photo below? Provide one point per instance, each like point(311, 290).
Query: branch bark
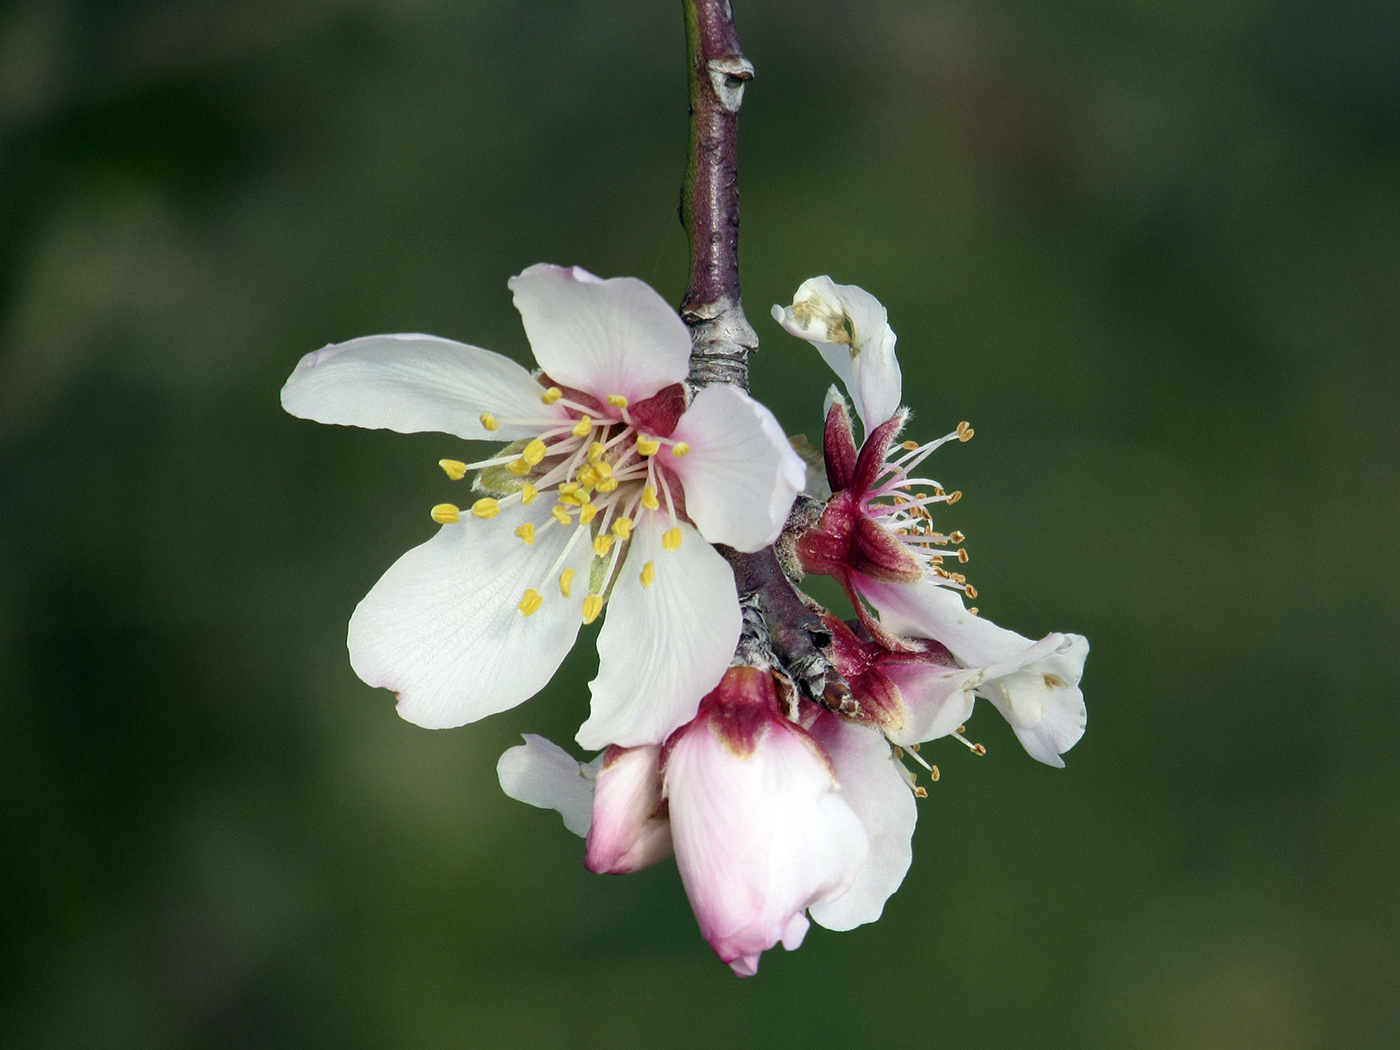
point(781, 627)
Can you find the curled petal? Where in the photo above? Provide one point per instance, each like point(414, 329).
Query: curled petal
point(850, 329)
point(741, 474)
point(412, 383)
point(442, 629)
point(662, 646)
point(1040, 697)
point(874, 786)
point(604, 337)
point(630, 827)
point(540, 773)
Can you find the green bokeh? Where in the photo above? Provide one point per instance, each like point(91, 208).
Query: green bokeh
point(1151, 251)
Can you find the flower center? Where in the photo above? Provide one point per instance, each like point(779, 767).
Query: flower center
point(600, 471)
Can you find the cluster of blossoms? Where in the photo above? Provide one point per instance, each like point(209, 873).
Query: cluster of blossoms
point(614, 485)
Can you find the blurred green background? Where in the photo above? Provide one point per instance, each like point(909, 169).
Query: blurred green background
point(1150, 250)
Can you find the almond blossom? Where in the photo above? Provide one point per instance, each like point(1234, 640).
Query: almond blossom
point(876, 535)
point(612, 489)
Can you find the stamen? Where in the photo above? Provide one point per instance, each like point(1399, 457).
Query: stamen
point(647, 446)
point(972, 609)
point(607, 484)
point(445, 514)
point(489, 421)
point(617, 401)
point(603, 470)
point(518, 467)
point(649, 500)
point(485, 507)
point(933, 773)
point(648, 574)
point(592, 606)
point(561, 514)
point(551, 395)
point(587, 513)
point(453, 468)
point(534, 452)
point(956, 537)
point(970, 590)
point(680, 448)
point(583, 426)
point(595, 451)
point(964, 431)
point(528, 494)
point(920, 791)
point(622, 528)
point(671, 539)
point(962, 555)
point(601, 543)
point(566, 582)
point(527, 533)
point(953, 497)
point(530, 604)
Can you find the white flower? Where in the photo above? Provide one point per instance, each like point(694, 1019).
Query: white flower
point(613, 486)
point(761, 831)
point(850, 329)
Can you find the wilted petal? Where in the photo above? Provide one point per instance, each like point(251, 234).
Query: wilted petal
point(850, 330)
point(874, 785)
point(741, 474)
point(662, 647)
point(1041, 698)
point(540, 773)
point(441, 628)
point(630, 828)
point(604, 337)
point(412, 383)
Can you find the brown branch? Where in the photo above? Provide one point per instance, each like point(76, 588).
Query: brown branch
point(781, 627)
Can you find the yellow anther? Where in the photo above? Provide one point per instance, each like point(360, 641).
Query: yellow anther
point(485, 507)
point(530, 604)
point(561, 514)
point(622, 528)
point(617, 401)
point(970, 591)
point(601, 544)
point(964, 431)
point(582, 427)
point(445, 513)
point(603, 470)
point(680, 448)
point(587, 513)
point(528, 494)
point(453, 468)
point(671, 539)
point(957, 537)
point(647, 446)
point(972, 609)
point(953, 497)
point(648, 574)
point(534, 452)
point(527, 533)
point(595, 451)
point(489, 421)
point(910, 446)
point(589, 476)
point(962, 555)
point(518, 467)
point(570, 499)
point(607, 484)
point(568, 488)
point(592, 606)
point(551, 395)
point(920, 791)
point(649, 498)
point(566, 582)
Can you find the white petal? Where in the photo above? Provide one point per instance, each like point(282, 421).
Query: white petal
point(540, 773)
point(603, 337)
point(850, 330)
point(1041, 699)
point(412, 383)
point(741, 474)
point(441, 628)
point(630, 828)
point(1035, 685)
point(662, 647)
point(936, 699)
point(873, 785)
